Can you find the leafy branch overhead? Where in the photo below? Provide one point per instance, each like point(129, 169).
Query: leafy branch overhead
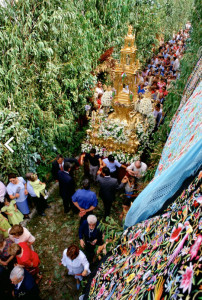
point(48, 50)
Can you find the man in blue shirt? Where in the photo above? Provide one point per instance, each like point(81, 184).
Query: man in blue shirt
point(141, 89)
point(85, 200)
point(112, 164)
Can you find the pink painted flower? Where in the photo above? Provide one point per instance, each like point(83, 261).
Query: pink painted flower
point(195, 247)
point(186, 282)
point(137, 234)
point(199, 199)
point(138, 288)
point(101, 292)
point(109, 272)
point(176, 232)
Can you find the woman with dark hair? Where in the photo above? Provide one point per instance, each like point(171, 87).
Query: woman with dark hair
point(76, 263)
point(17, 190)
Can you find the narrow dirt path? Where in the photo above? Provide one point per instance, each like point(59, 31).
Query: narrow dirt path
point(55, 232)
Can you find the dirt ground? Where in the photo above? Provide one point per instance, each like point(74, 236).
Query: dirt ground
point(53, 233)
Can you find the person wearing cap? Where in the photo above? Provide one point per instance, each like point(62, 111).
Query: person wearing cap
point(112, 164)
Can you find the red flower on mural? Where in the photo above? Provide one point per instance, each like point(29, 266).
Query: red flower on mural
point(176, 232)
point(195, 204)
point(140, 250)
point(137, 234)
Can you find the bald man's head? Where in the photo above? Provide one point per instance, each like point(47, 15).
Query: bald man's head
point(138, 164)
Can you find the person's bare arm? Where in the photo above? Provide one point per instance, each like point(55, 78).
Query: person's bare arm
point(82, 158)
point(90, 208)
point(5, 263)
point(17, 195)
point(26, 192)
point(77, 205)
point(101, 163)
point(82, 243)
point(130, 172)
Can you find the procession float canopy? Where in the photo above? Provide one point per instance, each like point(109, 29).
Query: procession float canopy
point(121, 131)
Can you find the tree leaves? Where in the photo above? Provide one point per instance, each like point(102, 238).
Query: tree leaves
point(48, 50)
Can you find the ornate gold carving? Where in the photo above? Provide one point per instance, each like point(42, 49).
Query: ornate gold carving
point(124, 102)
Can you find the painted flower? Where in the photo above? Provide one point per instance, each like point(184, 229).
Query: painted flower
point(169, 285)
point(140, 250)
point(195, 247)
point(137, 289)
point(146, 275)
point(199, 200)
point(200, 224)
point(186, 282)
point(175, 295)
point(185, 251)
point(176, 232)
point(101, 292)
point(195, 204)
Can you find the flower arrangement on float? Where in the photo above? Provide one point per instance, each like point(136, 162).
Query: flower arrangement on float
point(120, 156)
point(111, 129)
point(144, 136)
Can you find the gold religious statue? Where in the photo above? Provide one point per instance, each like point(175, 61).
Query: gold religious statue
point(125, 78)
point(125, 103)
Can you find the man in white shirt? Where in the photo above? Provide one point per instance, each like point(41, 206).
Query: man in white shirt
point(137, 169)
point(176, 64)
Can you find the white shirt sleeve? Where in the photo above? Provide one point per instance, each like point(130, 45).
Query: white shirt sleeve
point(117, 164)
point(85, 262)
point(64, 261)
point(22, 180)
point(143, 168)
point(131, 167)
point(29, 237)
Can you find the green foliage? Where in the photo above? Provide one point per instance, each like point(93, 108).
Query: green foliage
point(48, 51)
point(112, 231)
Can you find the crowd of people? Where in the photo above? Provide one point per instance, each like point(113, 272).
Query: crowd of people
point(158, 75)
point(161, 71)
point(17, 257)
point(18, 260)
